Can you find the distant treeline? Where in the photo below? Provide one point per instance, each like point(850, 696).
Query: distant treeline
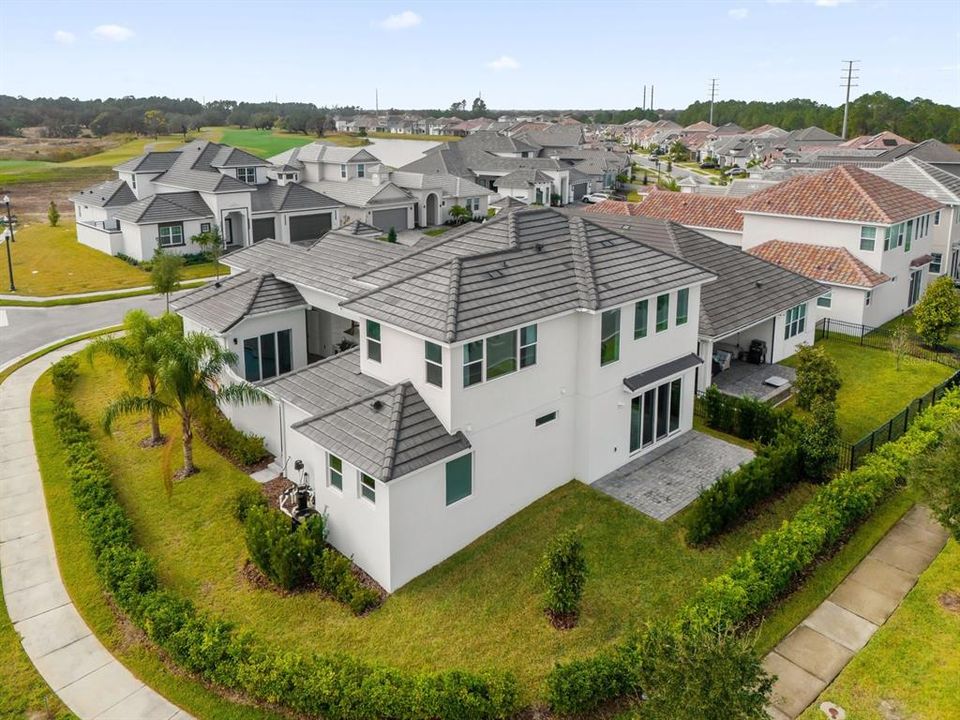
point(916, 119)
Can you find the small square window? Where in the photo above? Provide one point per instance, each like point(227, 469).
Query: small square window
point(368, 487)
point(204, 227)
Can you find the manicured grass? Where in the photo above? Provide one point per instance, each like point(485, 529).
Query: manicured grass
point(479, 609)
point(437, 231)
point(86, 300)
point(634, 196)
point(911, 667)
point(130, 149)
point(873, 389)
point(44, 172)
point(906, 319)
point(14, 166)
point(407, 136)
point(263, 143)
point(700, 425)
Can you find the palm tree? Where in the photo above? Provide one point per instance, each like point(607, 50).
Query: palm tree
point(188, 379)
point(139, 350)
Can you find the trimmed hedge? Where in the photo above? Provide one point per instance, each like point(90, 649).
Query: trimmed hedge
point(284, 550)
point(242, 448)
point(767, 570)
point(744, 417)
point(333, 573)
point(334, 686)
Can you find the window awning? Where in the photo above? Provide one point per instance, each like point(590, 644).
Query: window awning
point(635, 382)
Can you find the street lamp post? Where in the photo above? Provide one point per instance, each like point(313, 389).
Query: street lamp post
point(6, 201)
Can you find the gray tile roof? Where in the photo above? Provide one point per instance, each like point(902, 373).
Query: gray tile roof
point(552, 263)
point(930, 151)
point(494, 142)
point(219, 306)
point(747, 291)
point(112, 193)
point(166, 207)
point(230, 157)
point(635, 382)
point(510, 202)
point(324, 386)
point(361, 229)
point(360, 192)
point(271, 197)
point(149, 162)
point(923, 178)
point(192, 170)
point(452, 186)
point(387, 434)
point(523, 179)
point(555, 136)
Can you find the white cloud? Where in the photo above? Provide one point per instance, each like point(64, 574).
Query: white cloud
point(64, 38)
point(831, 3)
point(738, 13)
point(504, 62)
point(116, 33)
point(402, 21)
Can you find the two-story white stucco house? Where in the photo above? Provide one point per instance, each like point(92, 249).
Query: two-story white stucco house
point(492, 365)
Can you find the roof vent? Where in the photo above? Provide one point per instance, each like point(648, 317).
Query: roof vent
point(539, 247)
point(217, 284)
point(377, 405)
point(759, 283)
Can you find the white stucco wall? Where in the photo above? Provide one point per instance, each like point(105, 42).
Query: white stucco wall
point(256, 325)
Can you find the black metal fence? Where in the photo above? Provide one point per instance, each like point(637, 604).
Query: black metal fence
point(880, 339)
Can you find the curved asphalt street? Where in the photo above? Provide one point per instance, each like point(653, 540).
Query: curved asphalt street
point(24, 329)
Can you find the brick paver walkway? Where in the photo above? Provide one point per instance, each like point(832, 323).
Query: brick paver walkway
point(83, 673)
point(814, 653)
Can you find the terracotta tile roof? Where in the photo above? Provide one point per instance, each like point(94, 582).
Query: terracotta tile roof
point(691, 209)
point(845, 192)
point(614, 207)
point(831, 265)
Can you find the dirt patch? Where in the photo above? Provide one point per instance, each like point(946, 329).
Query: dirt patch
point(31, 199)
point(563, 621)
point(33, 147)
point(950, 601)
point(890, 710)
point(272, 489)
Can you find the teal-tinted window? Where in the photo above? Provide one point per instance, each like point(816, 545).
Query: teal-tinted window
point(373, 340)
point(683, 301)
point(640, 313)
point(610, 336)
point(473, 363)
point(501, 354)
point(528, 346)
point(433, 355)
point(459, 479)
point(368, 487)
point(868, 238)
point(335, 470)
point(663, 312)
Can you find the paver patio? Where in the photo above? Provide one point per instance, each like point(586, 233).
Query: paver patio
point(665, 480)
point(814, 653)
point(76, 665)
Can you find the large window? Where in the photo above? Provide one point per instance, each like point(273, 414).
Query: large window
point(267, 356)
point(640, 317)
point(663, 312)
point(373, 341)
point(936, 261)
point(825, 300)
point(247, 175)
point(683, 301)
point(459, 479)
point(433, 355)
point(171, 234)
point(610, 336)
point(335, 471)
point(796, 321)
point(504, 354)
point(368, 487)
point(655, 414)
point(894, 235)
point(868, 238)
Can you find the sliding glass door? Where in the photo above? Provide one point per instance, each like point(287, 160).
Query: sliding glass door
point(655, 414)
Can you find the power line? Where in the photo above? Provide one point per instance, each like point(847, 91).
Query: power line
point(713, 95)
point(847, 80)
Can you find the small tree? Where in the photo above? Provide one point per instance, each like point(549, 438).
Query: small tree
point(938, 312)
point(460, 214)
point(165, 274)
point(646, 179)
point(900, 342)
point(936, 477)
point(817, 376)
point(820, 442)
point(53, 215)
point(155, 122)
point(392, 235)
point(563, 572)
point(703, 674)
point(212, 245)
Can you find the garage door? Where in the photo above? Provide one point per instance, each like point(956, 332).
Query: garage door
point(309, 227)
point(386, 219)
point(263, 229)
point(579, 190)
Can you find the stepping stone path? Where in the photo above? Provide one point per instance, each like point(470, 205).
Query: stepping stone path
point(76, 665)
point(813, 654)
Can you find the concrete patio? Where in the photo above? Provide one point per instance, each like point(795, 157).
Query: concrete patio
point(745, 379)
point(665, 480)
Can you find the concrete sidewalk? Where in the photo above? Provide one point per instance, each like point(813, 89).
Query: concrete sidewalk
point(814, 653)
point(89, 680)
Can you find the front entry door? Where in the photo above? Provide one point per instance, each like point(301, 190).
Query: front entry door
point(228, 231)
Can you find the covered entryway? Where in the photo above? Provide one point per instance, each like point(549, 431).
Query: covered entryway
point(264, 228)
point(234, 229)
point(310, 227)
point(395, 218)
point(579, 190)
point(433, 209)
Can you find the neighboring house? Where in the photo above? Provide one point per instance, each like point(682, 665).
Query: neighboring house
point(714, 216)
point(162, 199)
point(866, 238)
point(943, 187)
point(532, 187)
point(495, 364)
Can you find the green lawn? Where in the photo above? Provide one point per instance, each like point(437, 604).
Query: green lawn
point(911, 667)
point(479, 609)
point(953, 341)
point(262, 143)
point(130, 149)
point(437, 231)
point(873, 390)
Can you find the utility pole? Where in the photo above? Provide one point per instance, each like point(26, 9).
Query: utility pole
point(848, 81)
point(713, 95)
point(644, 107)
point(376, 100)
point(651, 97)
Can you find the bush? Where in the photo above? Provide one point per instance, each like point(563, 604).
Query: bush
point(817, 376)
point(63, 374)
point(579, 686)
point(333, 574)
point(284, 553)
point(563, 571)
point(245, 499)
point(242, 448)
point(820, 441)
point(744, 417)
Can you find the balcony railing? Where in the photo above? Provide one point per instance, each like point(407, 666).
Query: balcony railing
point(102, 225)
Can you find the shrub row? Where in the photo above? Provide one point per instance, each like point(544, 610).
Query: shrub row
point(147, 265)
point(334, 686)
point(284, 551)
point(765, 571)
point(745, 417)
point(242, 448)
point(333, 573)
point(728, 500)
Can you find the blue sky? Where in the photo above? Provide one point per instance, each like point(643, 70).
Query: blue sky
point(518, 54)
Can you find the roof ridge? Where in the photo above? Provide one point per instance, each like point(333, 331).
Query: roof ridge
point(241, 280)
point(253, 298)
point(583, 265)
point(453, 299)
point(390, 451)
point(353, 403)
point(846, 170)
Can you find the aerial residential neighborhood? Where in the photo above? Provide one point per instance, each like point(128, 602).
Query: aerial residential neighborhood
point(400, 377)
